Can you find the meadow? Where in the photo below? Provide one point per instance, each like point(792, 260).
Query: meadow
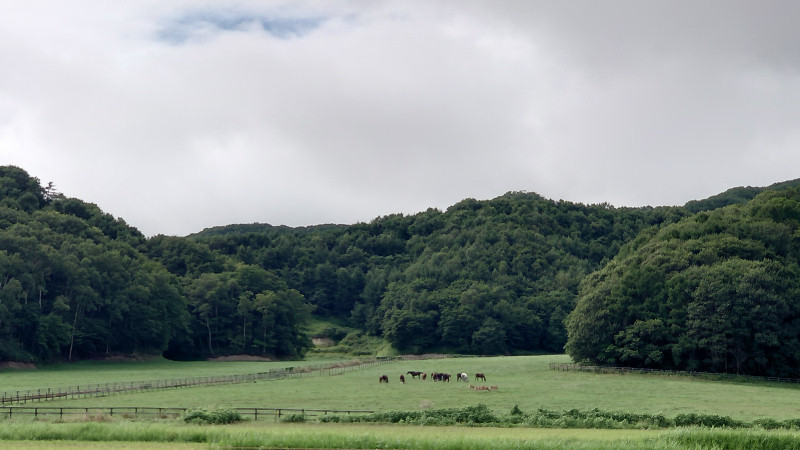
point(524, 382)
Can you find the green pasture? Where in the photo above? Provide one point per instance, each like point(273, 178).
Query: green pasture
point(94, 372)
point(525, 381)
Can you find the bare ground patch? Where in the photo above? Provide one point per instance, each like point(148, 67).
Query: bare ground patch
point(16, 365)
point(240, 358)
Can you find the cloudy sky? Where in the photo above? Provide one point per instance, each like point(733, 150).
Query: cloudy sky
point(185, 114)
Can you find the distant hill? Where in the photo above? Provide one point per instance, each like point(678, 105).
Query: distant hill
point(247, 228)
point(735, 196)
point(492, 276)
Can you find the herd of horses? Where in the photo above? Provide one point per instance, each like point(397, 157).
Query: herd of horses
point(435, 376)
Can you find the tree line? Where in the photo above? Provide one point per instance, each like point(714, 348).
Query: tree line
point(497, 276)
point(718, 291)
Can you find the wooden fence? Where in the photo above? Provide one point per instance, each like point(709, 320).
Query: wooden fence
point(135, 411)
point(623, 370)
point(105, 389)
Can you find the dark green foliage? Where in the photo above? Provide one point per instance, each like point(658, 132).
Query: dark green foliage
point(716, 292)
point(595, 418)
point(707, 420)
point(217, 416)
point(294, 418)
point(20, 191)
point(770, 424)
point(73, 283)
point(735, 196)
point(76, 283)
point(479, 414)
point(497, 276)
point(485, 277)
point(573, 418)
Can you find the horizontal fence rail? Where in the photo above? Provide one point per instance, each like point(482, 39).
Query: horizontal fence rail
point(623, 370)
point(135, 411)
point(106, 389)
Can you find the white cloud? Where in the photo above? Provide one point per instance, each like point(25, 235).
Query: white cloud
point(183, 115)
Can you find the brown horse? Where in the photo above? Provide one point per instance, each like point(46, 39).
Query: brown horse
point(402, 379)
point(414, 373)
point(480, 376)
point(383, 378)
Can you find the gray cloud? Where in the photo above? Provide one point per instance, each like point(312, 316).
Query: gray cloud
point(183, 115)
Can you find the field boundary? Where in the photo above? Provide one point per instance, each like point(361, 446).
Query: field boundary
point(622, 370)
point(105, 389)
point(9, 412)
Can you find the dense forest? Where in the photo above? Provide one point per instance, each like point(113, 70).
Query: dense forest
point(497, 276)
point(718, 291)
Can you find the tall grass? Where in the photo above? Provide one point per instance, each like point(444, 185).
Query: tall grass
point(331, 436)
point(398, 437)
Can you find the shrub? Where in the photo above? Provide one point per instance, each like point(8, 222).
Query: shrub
point(294, 418)
point(219, 416)
point(769, 424)
point(707, 420)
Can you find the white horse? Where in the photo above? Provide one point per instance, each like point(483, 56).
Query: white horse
point(463, 376)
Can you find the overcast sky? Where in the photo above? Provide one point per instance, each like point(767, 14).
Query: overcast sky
point(186, 114)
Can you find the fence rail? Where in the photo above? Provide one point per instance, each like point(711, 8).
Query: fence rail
point(136, 411)
point(623, 370)
point(105, 389)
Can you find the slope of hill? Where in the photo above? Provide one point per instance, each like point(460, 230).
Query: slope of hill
point(491, 277)
point(718, 291)
point(735, 196)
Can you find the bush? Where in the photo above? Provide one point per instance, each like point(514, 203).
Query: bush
point(218, 416)
point(294, 418)
point(707, 420)
point(769, 424)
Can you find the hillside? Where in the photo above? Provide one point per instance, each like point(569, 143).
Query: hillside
point(485, 277)
point(735, 196)
point(718, 291)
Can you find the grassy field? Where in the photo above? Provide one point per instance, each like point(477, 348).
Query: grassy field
point(93, 372)
point(525, 381)
point(351, 436)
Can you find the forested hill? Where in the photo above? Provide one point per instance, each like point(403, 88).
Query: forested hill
point(719, 291)
point(735, 196)
point(491, 277)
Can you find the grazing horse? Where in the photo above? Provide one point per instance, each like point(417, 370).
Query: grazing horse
point(463, 377)
point(446, 377)
point(424, 376)
point(383, 378)
point(402, 379)
point(480, 376)
point(414, 373)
